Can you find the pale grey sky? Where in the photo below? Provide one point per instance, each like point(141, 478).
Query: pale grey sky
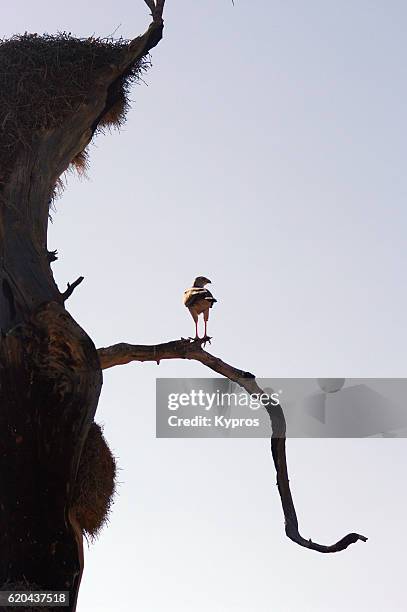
point(267, 153)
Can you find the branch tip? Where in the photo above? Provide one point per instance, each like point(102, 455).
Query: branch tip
point(156, 7)
point(71, 288)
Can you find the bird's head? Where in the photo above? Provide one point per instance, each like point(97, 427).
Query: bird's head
point(201, 281)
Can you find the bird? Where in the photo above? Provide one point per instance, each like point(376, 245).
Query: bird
point(199, 300)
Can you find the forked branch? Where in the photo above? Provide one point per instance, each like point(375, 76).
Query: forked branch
point(156, 7)
point(120, 354)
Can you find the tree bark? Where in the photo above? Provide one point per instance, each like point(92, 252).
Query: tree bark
point(50, 385)
point(50, 374)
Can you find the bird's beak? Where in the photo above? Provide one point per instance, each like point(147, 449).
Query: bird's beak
point(208, 281)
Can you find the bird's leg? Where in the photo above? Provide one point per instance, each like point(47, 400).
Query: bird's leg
point(206, 338)
point(195, 318)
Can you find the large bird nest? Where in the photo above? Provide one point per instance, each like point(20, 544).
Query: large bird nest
point(45, 79)
point(95, 483)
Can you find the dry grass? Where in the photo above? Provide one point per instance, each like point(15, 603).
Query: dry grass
point(45, 79)
point(95, 484)
point(81, 162)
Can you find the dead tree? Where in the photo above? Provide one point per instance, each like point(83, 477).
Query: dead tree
point(56, 94)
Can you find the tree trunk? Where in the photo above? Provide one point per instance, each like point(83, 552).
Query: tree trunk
point(50, 384)
point(50, 374)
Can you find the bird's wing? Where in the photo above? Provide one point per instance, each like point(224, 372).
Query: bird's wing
point(209, 297)
point(194, 294)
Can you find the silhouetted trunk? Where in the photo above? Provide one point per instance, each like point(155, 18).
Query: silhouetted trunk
point(50, 375)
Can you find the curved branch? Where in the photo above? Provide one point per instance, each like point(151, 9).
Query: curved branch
point(140, 46)
point(120, 354)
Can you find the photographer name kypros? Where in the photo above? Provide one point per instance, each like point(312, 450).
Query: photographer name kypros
point(210, 401)
point(217, 421)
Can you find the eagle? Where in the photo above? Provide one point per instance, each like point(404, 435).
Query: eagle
point(199, 300)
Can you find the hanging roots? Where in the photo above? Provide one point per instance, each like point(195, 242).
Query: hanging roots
point(45, 79)
point(95, 483)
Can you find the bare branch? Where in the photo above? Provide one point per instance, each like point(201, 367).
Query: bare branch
point(120, 354)
point(140, 46)
point(151, 5)
point(156, 7)
point(159, 9)
point(71, 288)
point(52, 256)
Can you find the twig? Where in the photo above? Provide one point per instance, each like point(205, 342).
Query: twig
point(120, 354)
point(52, 256)
point(71, 288)
point(156, 7)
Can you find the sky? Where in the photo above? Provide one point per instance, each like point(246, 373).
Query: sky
point(266, 150)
